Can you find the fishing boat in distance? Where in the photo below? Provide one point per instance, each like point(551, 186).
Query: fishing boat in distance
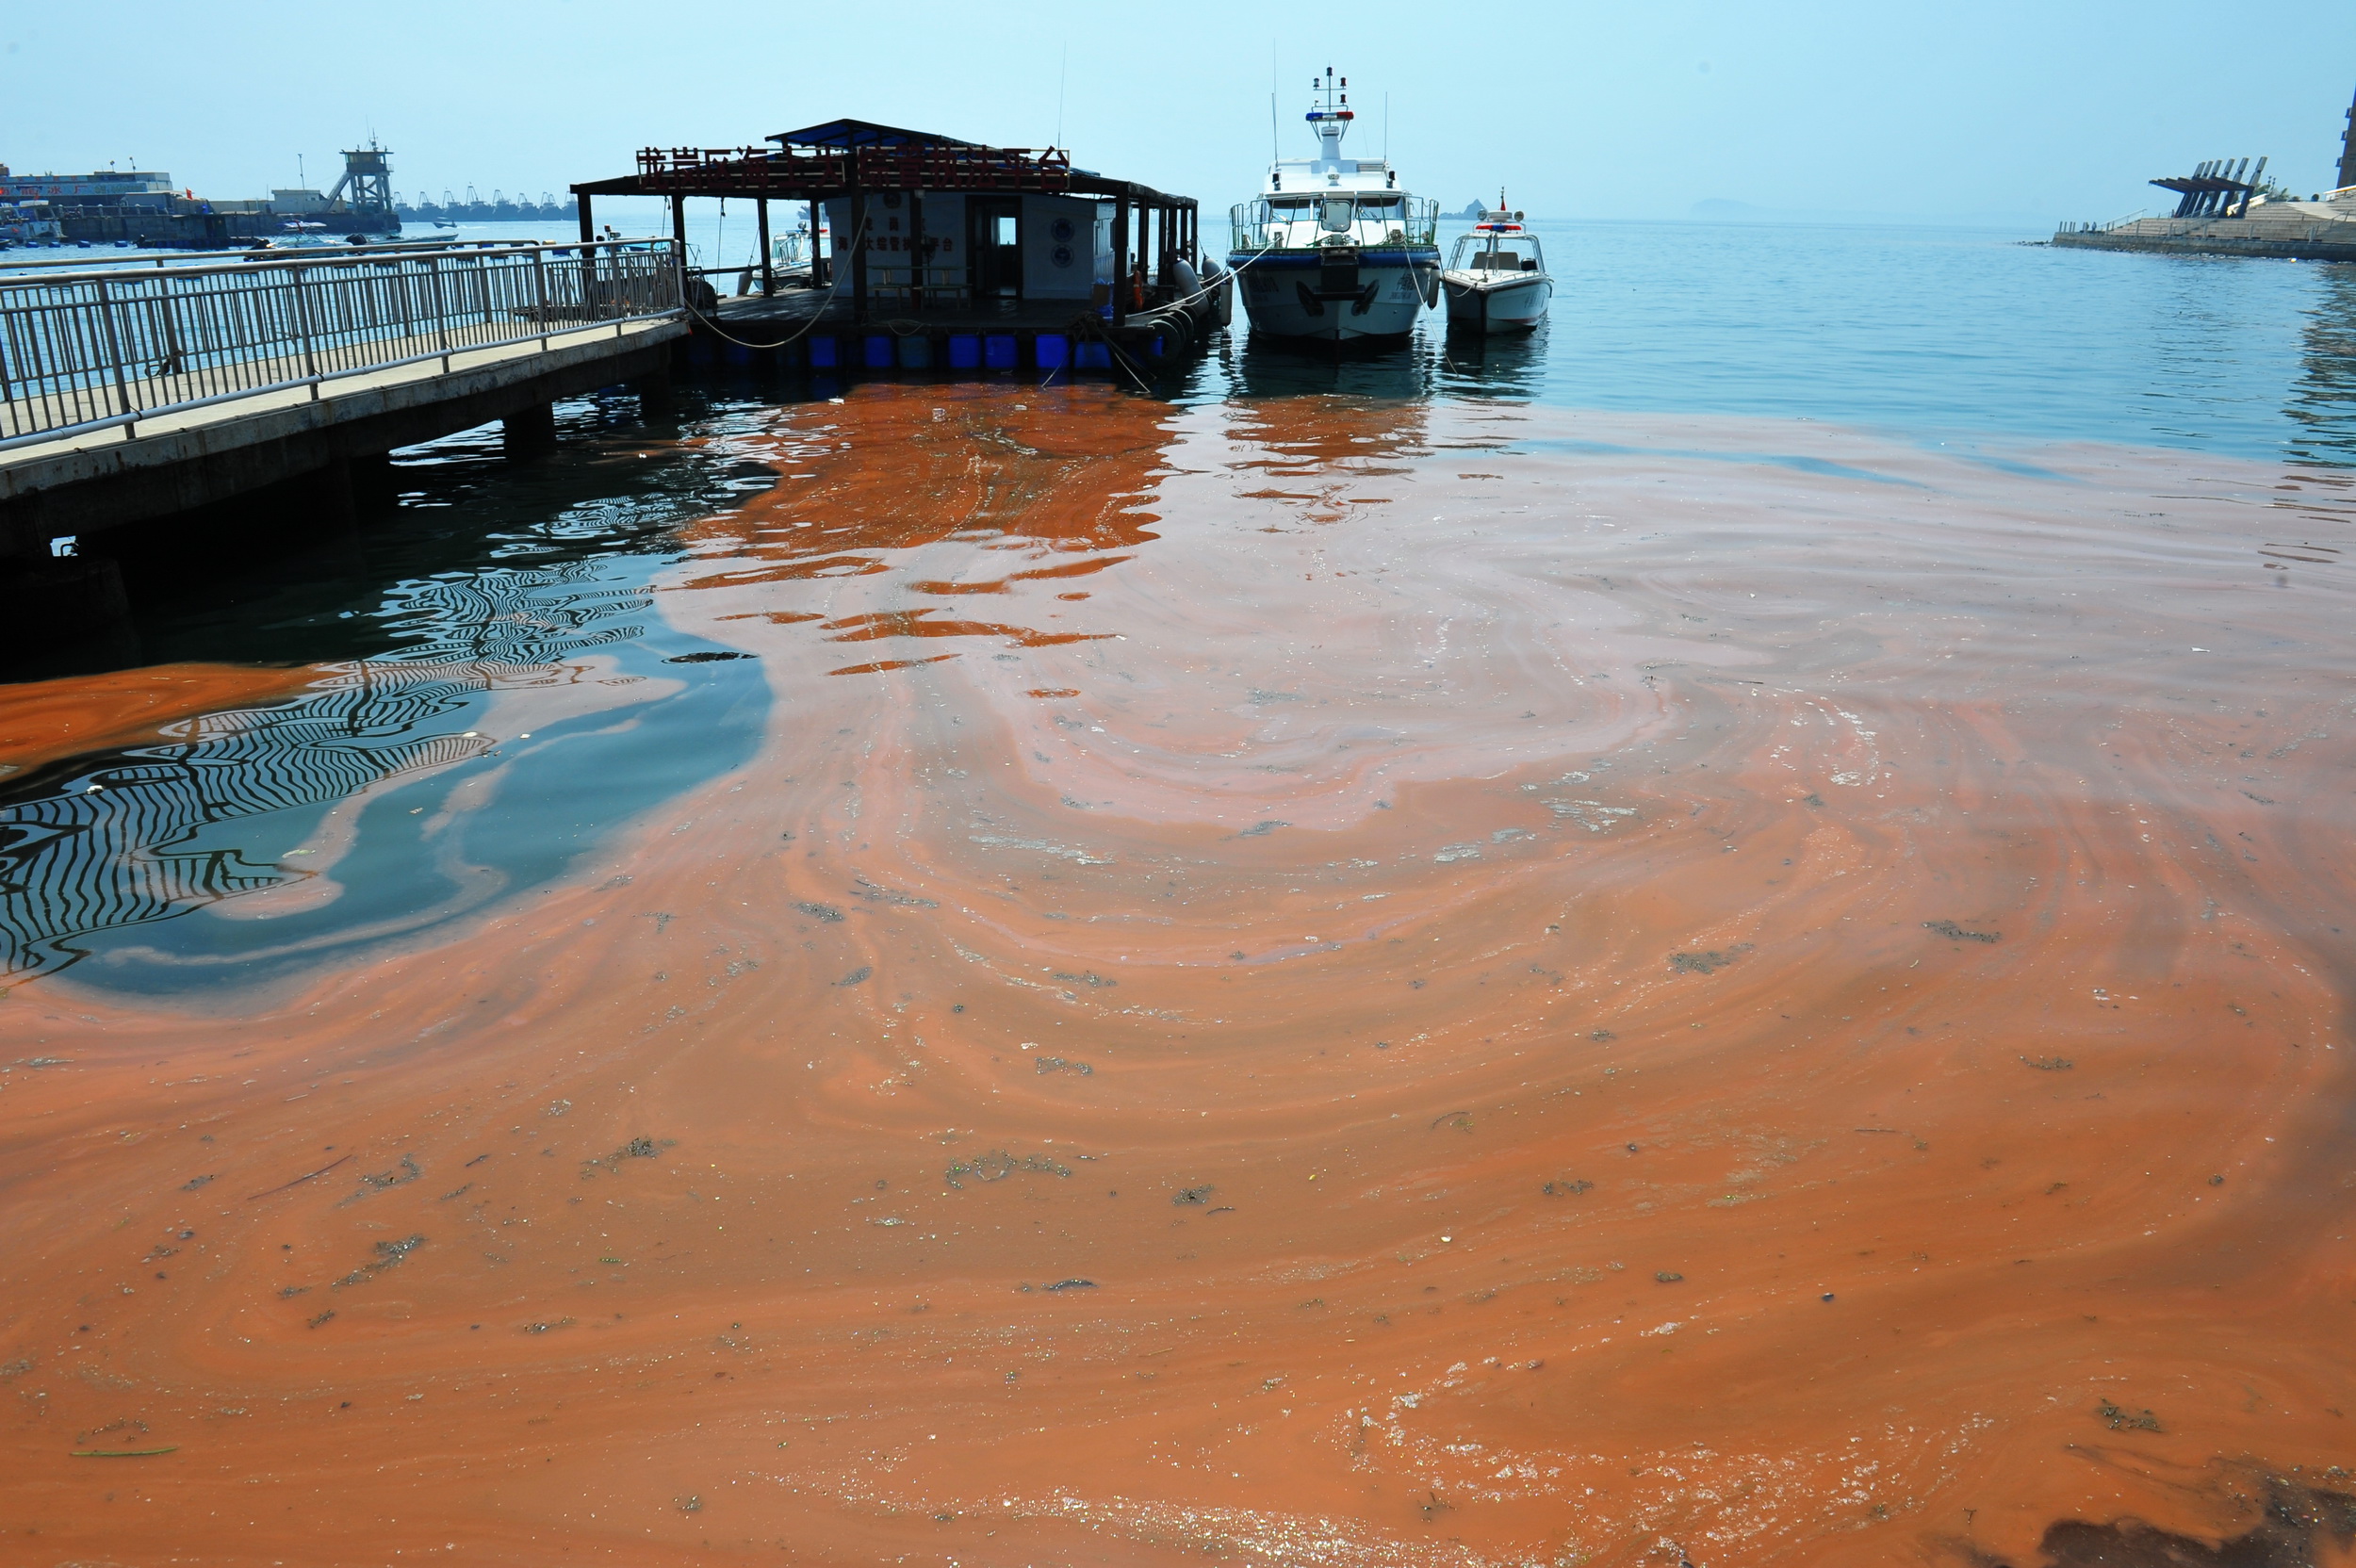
point(1496, 279)
point(1334, 251)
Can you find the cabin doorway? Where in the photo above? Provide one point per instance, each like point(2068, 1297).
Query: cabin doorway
point(995, 236)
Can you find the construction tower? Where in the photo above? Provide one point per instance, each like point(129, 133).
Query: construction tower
point(368, 179)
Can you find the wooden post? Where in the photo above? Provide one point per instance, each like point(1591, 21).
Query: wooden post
point(916, 250)
point(679, 243)
point(1120, 259)
point(768, 268)
point(859, 257)
point(588, 224)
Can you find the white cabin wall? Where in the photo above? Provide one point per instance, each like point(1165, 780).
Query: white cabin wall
point(1043, 278)
point(944, 220)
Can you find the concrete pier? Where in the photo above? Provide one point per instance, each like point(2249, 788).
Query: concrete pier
point(83, 484)
point(2297, 231)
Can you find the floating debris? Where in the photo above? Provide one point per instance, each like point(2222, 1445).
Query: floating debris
point(820, 912)
point(1058, 1064)
point(1950, 929)
point(875, 895)
point(1192, 1195)
point(2127, 1421)
point(2050, 1064)
point(1074, 1284)
point(998, 1164)
point(1566, 1188)
point(639, 1147)
point(705, 656)
point(858, 976)
point(1000, 840)
point(1706, 963)
point(306, 1176)
point(389, 1255)
point(401, 1175)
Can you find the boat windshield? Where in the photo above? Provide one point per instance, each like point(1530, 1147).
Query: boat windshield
point(1498, 253)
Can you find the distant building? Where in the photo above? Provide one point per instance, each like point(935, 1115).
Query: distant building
point(101, 187)
point(2347, 150)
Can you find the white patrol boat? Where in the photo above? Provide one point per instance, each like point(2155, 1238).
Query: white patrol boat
point(1497, 280)
point(1333, 250)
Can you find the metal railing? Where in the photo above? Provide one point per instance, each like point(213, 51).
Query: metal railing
point(1416, 220)
point(2262, 228)
point(114, 258)
point(111, 347)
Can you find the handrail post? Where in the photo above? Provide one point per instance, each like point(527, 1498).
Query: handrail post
point(441, 311)
point(540, 283)
point(303, 327)
point(114, 351)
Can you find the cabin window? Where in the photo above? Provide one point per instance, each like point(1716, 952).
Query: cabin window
point(1005, 230)
point(1334, 214)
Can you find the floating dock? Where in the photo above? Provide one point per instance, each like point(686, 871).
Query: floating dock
point(803, 329)
point(948, 255)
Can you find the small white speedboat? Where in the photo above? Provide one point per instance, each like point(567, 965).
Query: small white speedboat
point(1497, 281)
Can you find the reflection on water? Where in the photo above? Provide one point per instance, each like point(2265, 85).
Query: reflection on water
point(383, 801)
point(1942, 335)
point(2322, 405)
point(377, 805)
point(1499, 365)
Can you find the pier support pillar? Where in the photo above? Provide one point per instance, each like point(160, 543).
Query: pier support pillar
point(1120, 259)
point(529, 432)
point(68, 600)
point(588, 223)
point(371, 481)
point(328, 498)
point(655, 403)
point(768, 264)
point(859, 257)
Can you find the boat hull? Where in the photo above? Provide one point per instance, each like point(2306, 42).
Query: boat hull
point(1322, 298)
point(1480, 304)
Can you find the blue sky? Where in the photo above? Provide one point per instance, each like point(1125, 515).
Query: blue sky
point(2004, 111)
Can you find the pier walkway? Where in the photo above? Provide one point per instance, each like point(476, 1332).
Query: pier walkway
point(2294, 231)
point(126, 396)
